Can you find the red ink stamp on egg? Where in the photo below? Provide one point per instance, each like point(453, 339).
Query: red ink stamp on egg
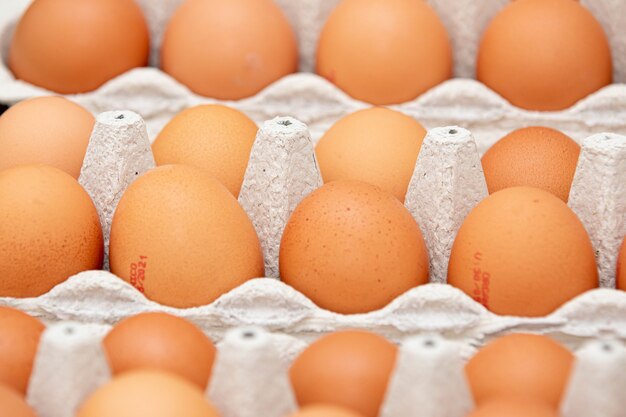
point(138, 273)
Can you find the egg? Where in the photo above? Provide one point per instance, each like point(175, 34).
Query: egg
point(229, 49)
point(507, 408)
point(384, 51)
point(215, 138)
point(19, 339)
point(72, 46)
point(621, 267)
point(50, 230)
point(544, 54)
point(535, 156)
point(324, 410)
point(522, 252)
point(147, 393)
point(525, 367)
point(181, 238)
point(14, 405)
point(348, 369)
point(375, 145)
point(166, 342)
point(45, 130)
point(352, 248)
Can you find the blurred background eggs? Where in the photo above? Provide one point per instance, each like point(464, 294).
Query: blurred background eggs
point(375, 145)
point(510, 408)
point(45, 130)
point(12, 404)
point(70, 46)
point(229, 49)
point(621, 267)
point(324, 410)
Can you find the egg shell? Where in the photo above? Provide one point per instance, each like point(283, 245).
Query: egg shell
point(376, 145)
point(522, 252)
point(161, 341)
point(534, 156)
point(75, 47)
point(228, 49)
point(324, 410)
point(348, 369)
point(147, 393)
point(544, 54)
point(352, 248)
point(507, 408)
point(50, 230)
point(621, 267)
point(524, 367)
point(12, 404)
point(46, 130)
point(180, 237)
point(215, 138)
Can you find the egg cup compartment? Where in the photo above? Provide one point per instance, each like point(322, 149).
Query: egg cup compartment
point(447, 183)
point(318, 103)
point(250, 375)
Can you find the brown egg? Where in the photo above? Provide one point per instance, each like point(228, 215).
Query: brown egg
point(166, 342)
point(72, 46)
point(522, 252)
point(45, 130)
point(384, 51)
point(229, 49)
point(147, 393)
point(535, 156)
point(525, 367)
point(182, 239)
point(324, 410)
point(621, 267)
point(376, 145)
point(544, 54)
point(215, 138)
point(348, 369)
point(19, 340)
point(508, 408)
point(50, 230)
point(12, 404)
point(352, 248)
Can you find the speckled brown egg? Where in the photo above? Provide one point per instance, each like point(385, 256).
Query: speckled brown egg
point(352, 248)
point(49, 231)
point(12, 404)
point(376, 145)
point(229, 49)
point(45, 130)
point(181, 238)
point(215, 138)
point(166, 342)
point(348, 369)
point(19, 340)
point(544, 54)
point(522, 252)
point(70, 46)
point(523, 367)
point(535, 156)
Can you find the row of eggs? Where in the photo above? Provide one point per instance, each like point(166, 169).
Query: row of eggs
point(538, 54)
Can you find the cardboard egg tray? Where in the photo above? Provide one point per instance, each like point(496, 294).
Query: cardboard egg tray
point(318, 103)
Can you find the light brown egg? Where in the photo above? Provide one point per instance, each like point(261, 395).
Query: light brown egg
point(376, 145)
point(72, 46)
point(19, 340)
point(535, 156)
point(544, 54)
point(522, 252)
point(324, 410)
point(348, 369)
point(181, 238)
point(621, 267)
point(384, 51)
point(229, 49)
point(147, 393)
point(166, 342)
point(50, 230)
point(352, 248)
point(524, 367)
point(508, 408)
point(215, 138)
point(12, 404)
point(45, 130)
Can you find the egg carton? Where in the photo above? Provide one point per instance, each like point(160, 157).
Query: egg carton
point(310, 98)
point(447, 183)
point(250, 375)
